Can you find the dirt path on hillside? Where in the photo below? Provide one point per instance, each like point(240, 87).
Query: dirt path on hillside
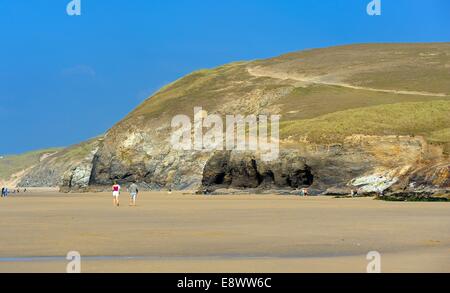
point(259, 72)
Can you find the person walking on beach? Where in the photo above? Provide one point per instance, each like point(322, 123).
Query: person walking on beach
point(116, 194)
point(3, 191)
point(133, 190)
point(305, 192)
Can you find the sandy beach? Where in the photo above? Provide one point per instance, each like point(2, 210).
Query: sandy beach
point(186, 233)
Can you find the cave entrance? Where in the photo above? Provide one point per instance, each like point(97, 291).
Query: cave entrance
point(219, 179)
point(220, 172)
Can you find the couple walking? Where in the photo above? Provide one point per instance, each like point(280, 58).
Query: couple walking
point(132, 189)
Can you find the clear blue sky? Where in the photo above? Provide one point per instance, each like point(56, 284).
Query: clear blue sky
point(65, 79)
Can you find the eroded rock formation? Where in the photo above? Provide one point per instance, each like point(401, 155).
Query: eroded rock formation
point(245, 170)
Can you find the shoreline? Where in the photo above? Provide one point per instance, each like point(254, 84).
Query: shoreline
point(419, 261)
point(418, 195)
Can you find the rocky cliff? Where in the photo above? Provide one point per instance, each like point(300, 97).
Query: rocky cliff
point(70, 167)
point(370, 117)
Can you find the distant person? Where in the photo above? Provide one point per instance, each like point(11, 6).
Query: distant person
point(6, 192)
point(133, 190)
point(3, 192)
point(116, 194)
point(305, 192)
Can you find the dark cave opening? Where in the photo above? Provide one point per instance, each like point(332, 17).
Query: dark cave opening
point(219, 172)
point(219, 179)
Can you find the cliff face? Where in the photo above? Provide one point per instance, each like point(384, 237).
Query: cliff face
point(13, 168)
point(371, 164)
point(55, 169)
point(372, 117)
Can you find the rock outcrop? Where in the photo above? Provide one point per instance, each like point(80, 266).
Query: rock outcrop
point(357, 149)
point(242, 170)
point(74, 162)
point(343, 126)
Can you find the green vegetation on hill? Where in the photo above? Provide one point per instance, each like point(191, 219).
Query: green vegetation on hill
point(207, 88)
point(78, 151)
point(317, 100)
point(441, 137)
point(50, 171)
point(55, 159)
point(322, 94)
point(430, 119)
point(413, 67)
point(324, 113)
point(10, 165)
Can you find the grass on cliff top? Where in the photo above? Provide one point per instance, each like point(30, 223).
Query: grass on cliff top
point(10, 165)
point(413, 67)
point(206, 88)
point(318, 100)
point(430, 119)
point(78, 151)
point(324, 113)
point(441, 137)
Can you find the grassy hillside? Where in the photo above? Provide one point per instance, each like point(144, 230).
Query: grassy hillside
point(10, 165)
point(429, 119)
point(401, 89)
point(416, 67)
point(322, 94)
point(76, 152)
point(203, 88)
point(50, 171)
point(317, 100)
point(42, 162)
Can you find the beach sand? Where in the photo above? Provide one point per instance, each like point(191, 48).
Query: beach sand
point(186, 233)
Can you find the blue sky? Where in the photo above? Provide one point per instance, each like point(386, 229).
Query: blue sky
point(64, 79)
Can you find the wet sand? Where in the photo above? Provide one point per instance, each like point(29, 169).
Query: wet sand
point(185, 233)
